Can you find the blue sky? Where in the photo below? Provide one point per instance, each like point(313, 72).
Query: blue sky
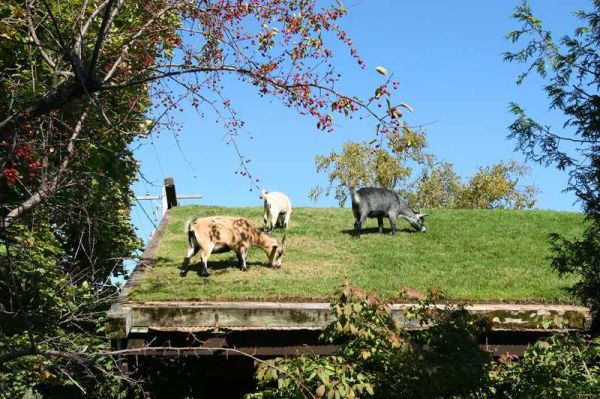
point(447, 57)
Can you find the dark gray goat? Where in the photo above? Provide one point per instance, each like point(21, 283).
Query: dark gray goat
point(378, 203)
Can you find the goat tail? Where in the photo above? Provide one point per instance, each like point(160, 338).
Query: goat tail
point(354, 196)
point(188, 225)
point(190, 233)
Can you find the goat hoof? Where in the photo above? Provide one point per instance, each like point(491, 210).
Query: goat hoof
point(182, 274)
point(205, 274)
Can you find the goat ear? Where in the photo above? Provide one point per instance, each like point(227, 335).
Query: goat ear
point(283, 242)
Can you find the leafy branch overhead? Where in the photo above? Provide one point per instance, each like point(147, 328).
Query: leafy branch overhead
point(570, 70)
point(142, 50)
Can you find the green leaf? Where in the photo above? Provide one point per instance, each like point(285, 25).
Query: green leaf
point(323, 376)
point(408, 107)
point(261, 373)
point(381, 70)
point(544, 344)
point(320, 391)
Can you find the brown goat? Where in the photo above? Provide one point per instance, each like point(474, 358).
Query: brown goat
point(218, 234)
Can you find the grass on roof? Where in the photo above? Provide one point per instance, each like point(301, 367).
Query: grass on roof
point(475, 255)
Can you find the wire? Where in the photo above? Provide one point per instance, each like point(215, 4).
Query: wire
point(146, 213)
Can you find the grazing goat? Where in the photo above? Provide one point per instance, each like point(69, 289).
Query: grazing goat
point(218, 234)
point(376, 202)
point(278, 210)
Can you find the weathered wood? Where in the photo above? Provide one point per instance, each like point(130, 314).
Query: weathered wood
point(240, 316)
point(534, 317)
point(118, 322)
point(170, 194)
point(233, 316)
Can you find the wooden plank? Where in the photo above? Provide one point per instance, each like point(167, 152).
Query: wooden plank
point(253, 315)
point(240, 316)
point(170, 193)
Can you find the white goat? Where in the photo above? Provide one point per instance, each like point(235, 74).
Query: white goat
point(278, 210)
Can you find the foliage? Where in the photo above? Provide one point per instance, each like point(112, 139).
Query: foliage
point(570, 68)
point(365, 165)
point(562, 366)
point(438, 359)
point(438, 186)
point(378, 358)
point(580, 257)
point(443, 360)
point(118, 47)
point(492, 187)
point(496, 186)
point(50, 359)
point(64, 182)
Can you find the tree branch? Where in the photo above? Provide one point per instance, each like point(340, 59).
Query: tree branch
point(34, 37)
point(126, 45)
point(41, 194)
point(109, 15)
point(86, 26)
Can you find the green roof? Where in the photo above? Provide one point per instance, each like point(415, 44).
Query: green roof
point(474, 255)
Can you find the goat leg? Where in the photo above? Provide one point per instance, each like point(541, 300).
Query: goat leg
point(242, 256)
point(380, 224)
point(357, 227)
point(393, 224)
point(193, 250)
point(204, 270)
point(185, 266)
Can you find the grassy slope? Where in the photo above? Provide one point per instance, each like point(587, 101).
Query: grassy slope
point(474, 255)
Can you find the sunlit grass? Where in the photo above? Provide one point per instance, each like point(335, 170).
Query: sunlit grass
point(474, 255)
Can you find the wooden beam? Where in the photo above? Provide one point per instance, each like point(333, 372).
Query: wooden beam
point(170, 194)
point(246, 316)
